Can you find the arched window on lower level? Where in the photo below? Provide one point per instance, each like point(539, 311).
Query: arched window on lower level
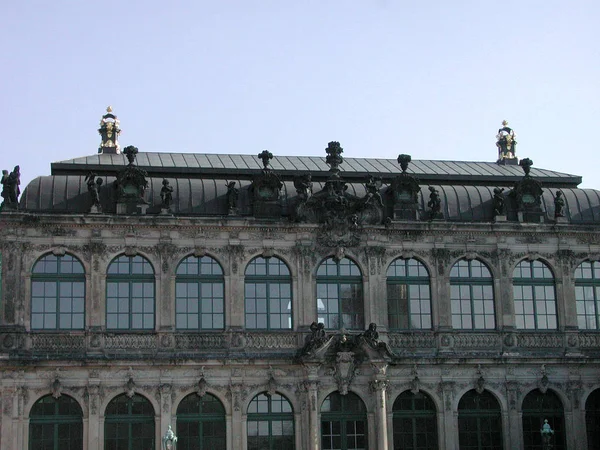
point(129, 423)
point(201, 423)
point(592, 419)
point(538, 407)
point(415, 422)
point(270, 423)
point(343, 422)
point(479, 422)
point(56, 424)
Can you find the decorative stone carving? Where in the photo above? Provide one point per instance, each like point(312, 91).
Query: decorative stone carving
point(559, 205)
point(528, 195)
point(499, 206)
point(405, 192)
point(93, 182)
point(56, 387)
point(131, 185)
point(317, 339)
point(434, 204)
point(544, 381)
point(480, 382)
point(344, 371)
point(11, 188)
point(340, 213)
point(169, 440)
point(166, 196)
point(265, 189)
point(130, 387)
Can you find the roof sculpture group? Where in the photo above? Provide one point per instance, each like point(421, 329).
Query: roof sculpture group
point(340, 214)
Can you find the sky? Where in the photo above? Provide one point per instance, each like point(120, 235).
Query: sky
point(431, 78)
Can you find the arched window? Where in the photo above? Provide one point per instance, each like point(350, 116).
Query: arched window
point(587, 295)
point(415, 422)
point(340, 295)
point(58, 294)
point(130, 294)
point(129, 423)
point(268, 294)
point(535, 299)
point(538, 407)
point(343, 422)
point(472, 296)
point(201, 423)
point(56, 424)
point(408, 295)
point(592, 419)
point(199, 294)
point(270, 423)
point(479, 422)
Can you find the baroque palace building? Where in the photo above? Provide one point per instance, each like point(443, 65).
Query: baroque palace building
point(288, 302)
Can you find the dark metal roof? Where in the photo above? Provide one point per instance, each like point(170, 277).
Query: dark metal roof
point(190, 165)
point(207, 197)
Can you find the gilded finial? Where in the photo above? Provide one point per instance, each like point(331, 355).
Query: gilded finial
point(109, 109)
point(505, 123)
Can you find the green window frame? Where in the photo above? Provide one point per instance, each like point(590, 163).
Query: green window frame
point(56, 424)
point(340, 302)
point(268, 294)
point(201, 423)
point(538, 407)
point(534, 296)
point(414, 422)
point(408, 295)
point(472, 296)
point(130, 294)
point(129, 423)
point(587, 295)
point(270, 423)
point(344, 422)
point(592, 419)
point(479, 422)
point(199, 294)
point(58, 293)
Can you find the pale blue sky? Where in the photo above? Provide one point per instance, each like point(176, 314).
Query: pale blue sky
point(430, 78)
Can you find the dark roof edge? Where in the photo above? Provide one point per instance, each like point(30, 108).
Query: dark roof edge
point(318, 175)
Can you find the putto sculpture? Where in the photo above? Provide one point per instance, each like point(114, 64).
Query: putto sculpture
point(11, 188)
point(166, 195)
point(434, 204)
point(232, 197)
point(93, 182)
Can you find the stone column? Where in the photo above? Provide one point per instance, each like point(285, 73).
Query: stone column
point(93, 394)
point(450, 430)
point(165, 407)
point(512, 436)
point(314, 441)
point(378, 387)
point(238, 420)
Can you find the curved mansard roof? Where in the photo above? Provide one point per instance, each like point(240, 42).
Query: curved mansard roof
point(174, 165)
point(207, 197)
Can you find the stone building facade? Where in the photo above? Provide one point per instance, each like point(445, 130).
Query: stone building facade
point(459, 303)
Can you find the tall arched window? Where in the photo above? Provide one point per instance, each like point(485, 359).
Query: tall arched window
point(199, 294)
point(592, 419)
point(415, 422)
point(340, 301)
point(479, 422)
point(270, 423)
point(472, 296)
point(56, 424)
point(534, 295)
point(343, 422)
point(130, 294)
point(538, 407)
point(58, 293)
point(201, 423)
point(268, 294)
point(129, 423)
point(587, 295)
point(408, 295)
